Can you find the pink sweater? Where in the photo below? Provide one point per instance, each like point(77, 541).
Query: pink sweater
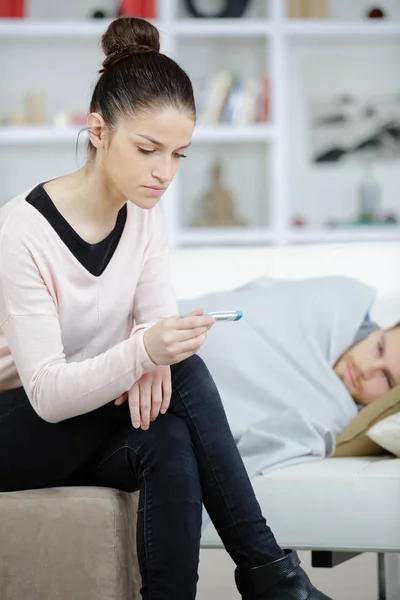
point(74, 340)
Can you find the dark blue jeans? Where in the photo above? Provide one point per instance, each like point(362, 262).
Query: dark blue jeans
point(188, 457)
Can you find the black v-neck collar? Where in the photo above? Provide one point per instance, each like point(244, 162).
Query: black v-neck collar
point(94, 257)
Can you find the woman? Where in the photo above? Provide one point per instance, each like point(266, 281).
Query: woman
point(88, 315)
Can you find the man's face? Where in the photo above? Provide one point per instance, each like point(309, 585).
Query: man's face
point(371, 368)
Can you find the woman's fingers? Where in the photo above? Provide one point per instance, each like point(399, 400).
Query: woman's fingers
point(191, 347)
point(121, 399)
point(145, 399)
point(166, 391)
point(196, 312)
point(133, 397)
point(156, 395)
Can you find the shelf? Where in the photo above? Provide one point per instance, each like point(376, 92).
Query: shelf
point(48, 134)
point(95, 27)
point(373, 233)
point(223, 236)
point(26, 28)
point(231, 133)
point(221, 27)
point(331, 28)
point(40, 134)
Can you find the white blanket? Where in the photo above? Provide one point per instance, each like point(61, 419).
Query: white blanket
point(273, 368)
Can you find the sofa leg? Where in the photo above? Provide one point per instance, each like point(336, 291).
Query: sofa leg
point(381, 576)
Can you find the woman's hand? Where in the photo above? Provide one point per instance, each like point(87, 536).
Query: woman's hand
point(172, 340)
point(148, 397)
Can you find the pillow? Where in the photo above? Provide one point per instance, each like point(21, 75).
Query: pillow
point(386, 433)
point(353, 441)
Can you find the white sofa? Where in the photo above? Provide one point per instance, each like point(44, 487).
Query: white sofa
point(343, 505)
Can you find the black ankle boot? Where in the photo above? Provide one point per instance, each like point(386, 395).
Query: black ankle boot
point(282, 579)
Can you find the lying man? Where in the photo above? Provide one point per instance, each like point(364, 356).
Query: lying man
point(298, 367)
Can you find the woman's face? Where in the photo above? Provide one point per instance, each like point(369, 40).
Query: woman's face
point(371, 368)
point(144, 153)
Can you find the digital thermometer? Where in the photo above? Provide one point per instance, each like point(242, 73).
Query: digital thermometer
point(226, 315)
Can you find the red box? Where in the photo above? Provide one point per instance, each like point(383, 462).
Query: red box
point(12, 8)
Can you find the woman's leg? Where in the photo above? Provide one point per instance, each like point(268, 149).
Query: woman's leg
point(162, 464)
point(37, 454)
point(227, 491)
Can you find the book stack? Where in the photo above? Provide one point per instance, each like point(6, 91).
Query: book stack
point(12, 9)
point(231, 99)
point(146, 9)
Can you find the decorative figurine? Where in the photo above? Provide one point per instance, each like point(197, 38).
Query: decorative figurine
point(376, 13)
point(217, 207)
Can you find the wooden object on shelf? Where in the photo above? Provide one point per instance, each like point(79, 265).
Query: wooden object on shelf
point(307, 9)
point(315, 9)
point(32, 113)
point(217, 207)
point(34, 108)
point(296, 9)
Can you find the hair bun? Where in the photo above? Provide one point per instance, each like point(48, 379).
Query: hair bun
point(131, 33)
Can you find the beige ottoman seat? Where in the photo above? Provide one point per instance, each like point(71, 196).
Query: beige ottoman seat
point(68, 544)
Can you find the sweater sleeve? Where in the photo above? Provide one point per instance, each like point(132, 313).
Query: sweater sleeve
point(30, 323)
point(154, 296)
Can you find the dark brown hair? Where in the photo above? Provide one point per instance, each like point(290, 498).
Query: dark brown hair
point(135, 76)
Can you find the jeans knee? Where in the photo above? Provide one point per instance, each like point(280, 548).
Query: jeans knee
point(168, 440)
point(168, 453)
point(189, 371)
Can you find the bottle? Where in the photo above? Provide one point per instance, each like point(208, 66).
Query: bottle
point(369, 196)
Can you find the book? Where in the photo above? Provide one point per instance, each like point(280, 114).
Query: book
point(263, 108)
point(149, 9)
point(12, 9)
point(131, 8)
point(247, 110)
point(217, 95)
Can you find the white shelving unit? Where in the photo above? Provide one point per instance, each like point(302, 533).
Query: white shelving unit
point(49, 134)
point(275, 40)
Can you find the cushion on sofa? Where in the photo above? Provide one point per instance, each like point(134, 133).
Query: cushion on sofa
point(386, 434)
point(353, 441)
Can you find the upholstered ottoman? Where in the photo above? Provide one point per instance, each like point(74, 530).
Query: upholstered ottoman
point(68, 544)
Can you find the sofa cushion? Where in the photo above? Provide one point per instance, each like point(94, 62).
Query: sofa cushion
point(353, 441)
point(344, 504)
point(386, 434)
